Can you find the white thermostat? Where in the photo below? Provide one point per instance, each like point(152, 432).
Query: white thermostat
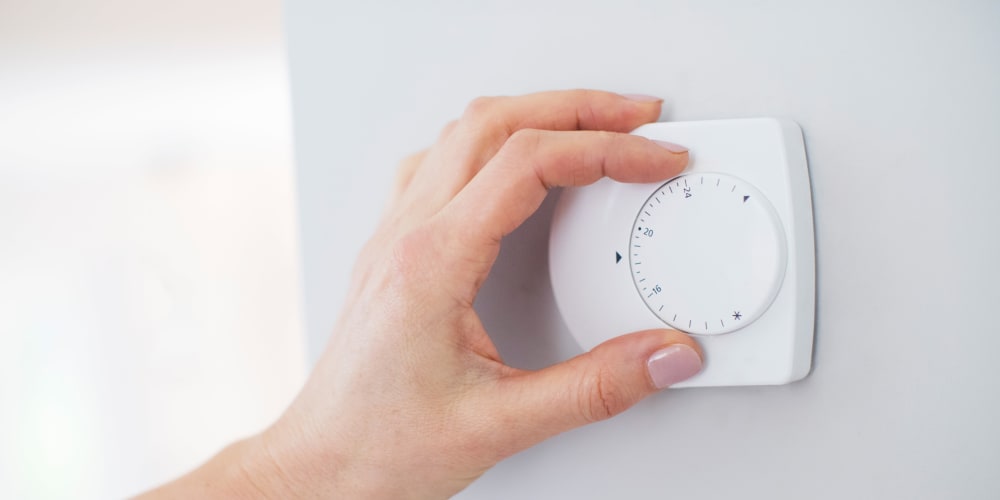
point(724, 251)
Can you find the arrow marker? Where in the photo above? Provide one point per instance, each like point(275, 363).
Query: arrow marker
point(618, 257)
point(745, 198)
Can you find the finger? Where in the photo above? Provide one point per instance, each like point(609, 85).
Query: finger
point(594, 386)
point(489, 121)
point(563, 110)
point(512, 186)
point(467, 144)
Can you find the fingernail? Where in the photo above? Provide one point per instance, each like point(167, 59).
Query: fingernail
point(641, 98)
point(673, 364)
point(669, 146)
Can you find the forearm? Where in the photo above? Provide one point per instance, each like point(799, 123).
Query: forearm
point(241, 470)
point(279, 465)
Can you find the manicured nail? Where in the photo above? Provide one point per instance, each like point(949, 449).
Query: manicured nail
point(673, 364)
point(669, 146)
point(641, 98)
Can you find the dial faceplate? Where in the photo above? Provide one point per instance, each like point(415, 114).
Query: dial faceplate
point(707, 253)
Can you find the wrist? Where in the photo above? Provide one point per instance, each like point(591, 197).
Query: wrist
point(298, 461)
point(252, 471)
point(243, 470)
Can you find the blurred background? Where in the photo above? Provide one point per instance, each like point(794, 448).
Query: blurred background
point(149, 276)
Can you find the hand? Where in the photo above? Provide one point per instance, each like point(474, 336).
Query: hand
point(410, 398)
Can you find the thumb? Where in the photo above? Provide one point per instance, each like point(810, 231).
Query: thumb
point(595, 385)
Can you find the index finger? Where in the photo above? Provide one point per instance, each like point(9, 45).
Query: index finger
point(489, 121)
point(514, 183)
point(579, 109)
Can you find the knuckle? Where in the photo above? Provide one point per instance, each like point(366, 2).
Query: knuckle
point(448, 129)
point(615, 147)
point(586, 114)
point(480, 108)
point(407, 169)
point(600, 397)
point(411, 160)
point(409, 256)
point(521, 151)
point(524, 140)
point(611, 139)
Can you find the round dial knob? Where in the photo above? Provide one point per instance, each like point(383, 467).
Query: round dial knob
point(707, 253)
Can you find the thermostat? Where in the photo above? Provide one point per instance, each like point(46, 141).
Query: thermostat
point(724, 252)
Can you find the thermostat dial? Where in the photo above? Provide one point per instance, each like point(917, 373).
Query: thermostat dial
point(707, 253)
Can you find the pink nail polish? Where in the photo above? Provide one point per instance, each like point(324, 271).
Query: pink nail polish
point(641, 98)
point(669, 146)
point(673, 364)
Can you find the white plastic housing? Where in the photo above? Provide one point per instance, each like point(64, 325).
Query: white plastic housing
point(728, 244)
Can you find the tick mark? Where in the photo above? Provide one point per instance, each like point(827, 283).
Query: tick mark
point(723, 323)
point(640, 281)
point(675, 318)
point(660, 309)
point(685, 182)
point(671, 189)
point(706, 325)
point(717, 181)
point(649, 296)
point(657, 200)
point(637, 246)
point(647, 213)
point(703, 179)
point(689, 323)
point(733, 189)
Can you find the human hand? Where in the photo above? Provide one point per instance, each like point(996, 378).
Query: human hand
point(410, 399)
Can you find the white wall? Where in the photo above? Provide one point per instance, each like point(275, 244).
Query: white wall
point(901, 114)
point(149, 293)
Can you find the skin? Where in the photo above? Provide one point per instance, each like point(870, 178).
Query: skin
point(410, 399)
